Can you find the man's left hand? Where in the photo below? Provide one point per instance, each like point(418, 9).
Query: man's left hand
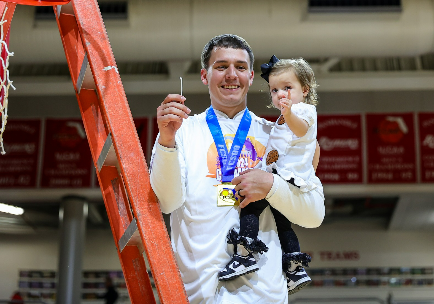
point(252, 185)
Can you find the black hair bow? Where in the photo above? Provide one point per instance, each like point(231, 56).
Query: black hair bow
point(266, 67)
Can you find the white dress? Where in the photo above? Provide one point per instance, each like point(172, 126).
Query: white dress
point(291, 156)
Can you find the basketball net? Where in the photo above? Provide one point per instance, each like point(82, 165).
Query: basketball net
point(5, 82)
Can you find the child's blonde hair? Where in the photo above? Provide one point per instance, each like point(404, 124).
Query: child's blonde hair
point(304, 74)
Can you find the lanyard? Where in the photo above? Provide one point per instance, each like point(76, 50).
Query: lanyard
point(229, 160)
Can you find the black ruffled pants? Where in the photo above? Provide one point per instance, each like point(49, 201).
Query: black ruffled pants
point(249, 225)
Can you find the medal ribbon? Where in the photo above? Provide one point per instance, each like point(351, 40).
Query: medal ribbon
point(229, 160)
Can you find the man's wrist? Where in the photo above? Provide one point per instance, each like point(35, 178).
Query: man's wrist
point(171, 143)
point(167, 149)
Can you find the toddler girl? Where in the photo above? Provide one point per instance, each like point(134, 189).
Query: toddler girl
point(293, 153)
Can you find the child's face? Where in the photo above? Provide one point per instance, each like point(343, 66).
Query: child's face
point(286, 85)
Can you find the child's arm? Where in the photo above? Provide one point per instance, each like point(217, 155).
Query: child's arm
point(316, 157)
point(297, 125)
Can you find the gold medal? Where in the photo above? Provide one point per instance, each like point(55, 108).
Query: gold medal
point(226, 195)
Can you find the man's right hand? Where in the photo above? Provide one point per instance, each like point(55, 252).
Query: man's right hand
point(170, 115)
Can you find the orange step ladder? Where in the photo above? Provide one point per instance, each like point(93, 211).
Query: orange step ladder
point(132, 208)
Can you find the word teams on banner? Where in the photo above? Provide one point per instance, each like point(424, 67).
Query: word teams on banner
point(340, 139)
point(391, 148)
point(426, 138)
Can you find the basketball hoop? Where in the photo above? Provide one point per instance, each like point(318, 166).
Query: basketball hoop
point(5, 82)
point(39, 2)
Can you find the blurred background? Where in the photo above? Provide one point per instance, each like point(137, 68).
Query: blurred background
point(374, 63)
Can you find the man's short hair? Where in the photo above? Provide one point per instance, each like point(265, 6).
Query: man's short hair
point(225, 41)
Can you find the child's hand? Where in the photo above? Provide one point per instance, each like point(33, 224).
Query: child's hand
point(285, 105)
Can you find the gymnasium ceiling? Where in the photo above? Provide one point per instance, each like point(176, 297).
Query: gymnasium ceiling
point(376, 45)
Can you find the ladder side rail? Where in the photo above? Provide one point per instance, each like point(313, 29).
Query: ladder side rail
point(131, 257)
point(96, 131)
point(129, 153)
point(136, 276)
point(75, 56)
point(116, 203)
point(93, 124)
point(118, 210)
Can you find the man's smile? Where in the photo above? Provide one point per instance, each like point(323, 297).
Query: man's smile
point(230, 87)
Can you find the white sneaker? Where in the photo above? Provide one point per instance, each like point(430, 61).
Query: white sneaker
point(238, 265)
point(297, 279)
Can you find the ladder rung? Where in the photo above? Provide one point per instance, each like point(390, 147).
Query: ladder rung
point(85, 77)
point(108, 155)
point(84, 67)
point(88, 82)
point(131, 237)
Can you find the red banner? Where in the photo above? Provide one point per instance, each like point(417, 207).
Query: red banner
point(340, 139)
point(391, 148)
point(426, 138)
point(67, 158)
point(19, 166)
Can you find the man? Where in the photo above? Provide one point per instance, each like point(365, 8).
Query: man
point(187, 169)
